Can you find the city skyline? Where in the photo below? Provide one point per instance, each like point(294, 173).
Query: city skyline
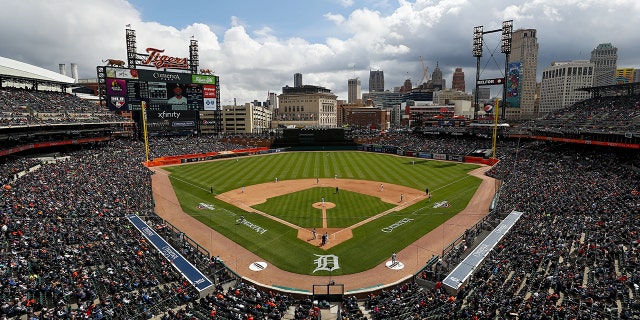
point(257, 47)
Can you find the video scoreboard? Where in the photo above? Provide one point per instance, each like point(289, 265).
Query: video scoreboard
point(130, 89)
point(173, 100)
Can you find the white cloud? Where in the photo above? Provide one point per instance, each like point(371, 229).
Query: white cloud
point(385, 35)
point(346, 3)
point(335, 18)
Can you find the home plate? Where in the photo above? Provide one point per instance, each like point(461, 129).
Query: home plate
point(395, 265)
point(258, 266)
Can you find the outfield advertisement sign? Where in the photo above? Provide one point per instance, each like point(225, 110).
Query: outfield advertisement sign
point(425, 155)
point(440, 156)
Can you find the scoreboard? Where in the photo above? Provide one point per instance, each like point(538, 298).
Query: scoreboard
point(128, 89)
point(164, 94)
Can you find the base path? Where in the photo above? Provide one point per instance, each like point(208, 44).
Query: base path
point(236, 257)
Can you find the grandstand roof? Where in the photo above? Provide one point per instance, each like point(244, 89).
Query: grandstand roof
point(15, 68)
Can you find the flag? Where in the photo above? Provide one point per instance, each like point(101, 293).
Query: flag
point(128, 25)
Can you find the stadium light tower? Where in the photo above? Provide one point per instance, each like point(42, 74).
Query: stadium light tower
point(505, 47)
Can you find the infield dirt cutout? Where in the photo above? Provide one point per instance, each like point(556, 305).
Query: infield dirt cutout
point(259, 193)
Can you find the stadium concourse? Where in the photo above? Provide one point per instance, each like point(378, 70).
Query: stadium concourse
point(66, 251)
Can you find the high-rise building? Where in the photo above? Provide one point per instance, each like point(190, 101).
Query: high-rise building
point(605, 59)
point(560, 82)
point(376, 81)
point(407, 86)
point(458, 80)
point(354, 90)
point(297, 80)
point(523, 61)
point(437, 82)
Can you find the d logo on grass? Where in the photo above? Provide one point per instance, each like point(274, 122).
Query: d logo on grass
point(328, 262)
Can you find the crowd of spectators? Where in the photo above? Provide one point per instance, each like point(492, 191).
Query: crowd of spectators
point(573, 254)
point(616, 114)
point(67, 252)
point(425, 143)
point(30, 107)
point(180, 145)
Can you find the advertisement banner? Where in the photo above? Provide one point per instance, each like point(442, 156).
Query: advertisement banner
point(121, 73)
point(440, 156)
point(209, 91)
point(164, 76)
point(425, 155)
point(390, 149)
point(454, 157)
point(116, 94)
point(210, 103)
point(202, 79)
point(171, 120)
point(514, 84)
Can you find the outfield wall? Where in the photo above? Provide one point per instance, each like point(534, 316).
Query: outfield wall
point(426, 155)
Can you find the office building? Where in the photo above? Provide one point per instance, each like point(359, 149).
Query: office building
point(297, 80)
point(605, 59)
point(307, 106)
point(247, 118)
point(458, 80)
point(376, 81)
point(560, 81)
point(523, 65)
point(437, 82)
point(354, 90)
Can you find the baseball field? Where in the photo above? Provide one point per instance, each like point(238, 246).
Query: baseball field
point(368, 205)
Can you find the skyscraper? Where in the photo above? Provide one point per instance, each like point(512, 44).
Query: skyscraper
point(605, 59)
point(297, 80)
point(407, 86)
point(437, 82)
point(376, 81)
point(523, 57)
point(458, 80)
point(354, 90)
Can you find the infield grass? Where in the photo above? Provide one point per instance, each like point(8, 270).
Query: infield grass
point(351, 207)
point(279, 243)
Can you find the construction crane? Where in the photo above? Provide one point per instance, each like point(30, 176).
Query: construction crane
point(425, 77)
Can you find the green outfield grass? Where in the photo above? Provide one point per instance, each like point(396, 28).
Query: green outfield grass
point(279, 245)
point(351, 207)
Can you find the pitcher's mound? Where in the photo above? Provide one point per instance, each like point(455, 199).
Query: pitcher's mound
point(327, 205)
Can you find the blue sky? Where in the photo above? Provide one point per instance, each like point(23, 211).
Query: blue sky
point(256, 46)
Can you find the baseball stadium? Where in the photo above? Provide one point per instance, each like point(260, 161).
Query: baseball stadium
point(118, 206)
